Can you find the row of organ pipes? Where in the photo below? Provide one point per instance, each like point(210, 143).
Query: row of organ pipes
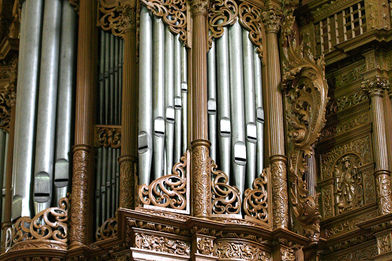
point(43, 120)
point(109, 114)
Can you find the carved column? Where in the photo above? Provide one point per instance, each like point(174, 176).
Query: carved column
point(376, 88)
point(278, 161)
point(82, 179)
point(129, 120)
point(200, 146)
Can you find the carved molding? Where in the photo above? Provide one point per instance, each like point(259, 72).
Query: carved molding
point(205, 245)
point(108, 229)
point(305, 89)
point(107, 136)
point(173, 13)
point(226, 199)
point(346, 102)
point(162, 244)
point(48, 229)
point(224, 13)
point(116, 16)
point(240, 250)
point(168, 191)
point(256, 199)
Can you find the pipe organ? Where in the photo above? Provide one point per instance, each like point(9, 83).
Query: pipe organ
point(195, 130)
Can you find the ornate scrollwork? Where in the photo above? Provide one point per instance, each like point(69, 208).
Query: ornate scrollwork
point(256, 198)
point(107, 230)
point(168, 191)
point(7, 95)
point(108, 136)
point(116, 16)
point(226, 12)
point(162, 244)
point(173, 13)
point(305, 90)
point(229, 250)
point(225, 198)
point(49, 225)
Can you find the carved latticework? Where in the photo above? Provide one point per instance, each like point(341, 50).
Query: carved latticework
point(255, 202)
point(49, 227)
point(116, 16)
point(173, 13)
point(108, 136)
point(224, 13)
point(305, 90)
point(170, 191)
point(226, 199)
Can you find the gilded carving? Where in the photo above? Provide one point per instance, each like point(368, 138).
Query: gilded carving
point(327, 200)
point(116, 16)
point(201, 179)
point(168, 191)
point(48, 227)
point(173, 13)
point(107, 230)
point(367, 253)
point(237, 250)
point(279, 189)
point(162, 244)
point(205, 245)
point(128, 170)
point(108, 136)
point(287, 254)
point(343, 79)
point(384, 243)
point(383, 183)
point(226, 199)
point(255, 203)
point(345, 126)
point(347, 102)
point(223, 13)
point(348, 183)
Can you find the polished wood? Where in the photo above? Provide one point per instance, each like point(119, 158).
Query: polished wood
point(82, 179)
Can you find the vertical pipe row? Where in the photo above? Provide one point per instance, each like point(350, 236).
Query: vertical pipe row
point(184, 99)
point(259, 111)
point(65, 100)
point(3, 158)
point(211, 67)
point(177, 100)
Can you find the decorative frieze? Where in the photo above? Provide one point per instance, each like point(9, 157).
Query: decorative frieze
point(162, 244)
point(240, 250)
point(345, 125)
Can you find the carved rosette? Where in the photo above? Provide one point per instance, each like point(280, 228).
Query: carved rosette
point(256, 199)
point(168, 191)
point(173, 13)
point(128, 170)
point(305, 89)
point(279, 189)
point(116, 16)
point(226, 199)
point(49, 227)
point(108, 136)
point(224, 13)
point(79, 197)
point(108, 229)
point(201, 178)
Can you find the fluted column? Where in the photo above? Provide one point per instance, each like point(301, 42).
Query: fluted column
point(278, 160)
point(376, 88)
point(200, 146)
point(82, 179)
point(129, 120)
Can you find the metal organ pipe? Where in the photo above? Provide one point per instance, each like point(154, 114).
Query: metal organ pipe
point(237, 110)
point(211, 67)
point(145, 98)
point(169, 99)
point(27, 87)
point(259, 111)
point(184, 98)
point(177, 99)
point(223, 90)
point(64, 107)
point(159, 96)
point(250, 108)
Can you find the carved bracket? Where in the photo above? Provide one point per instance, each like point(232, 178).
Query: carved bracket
point(256, 199)
point(107, 136)
point(226, 199)
point(173, 13)
point(305, 91)
point(224, 13)
point(48, 229)
point(169, 192)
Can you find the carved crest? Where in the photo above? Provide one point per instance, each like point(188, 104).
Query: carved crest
point(305, 91)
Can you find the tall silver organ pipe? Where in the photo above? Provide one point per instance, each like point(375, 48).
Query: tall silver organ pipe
point(3, 163)
point(239, 110)
point(145, 145)
point(212, 101)
point(158, 96)
point(65, 94)
point(163, 90)
point(46, 118)
point(224, 115)
point(27, 86)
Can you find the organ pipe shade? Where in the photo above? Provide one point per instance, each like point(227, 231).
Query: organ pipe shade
point(163, 99)
point(236, 116)
point(43, 117)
